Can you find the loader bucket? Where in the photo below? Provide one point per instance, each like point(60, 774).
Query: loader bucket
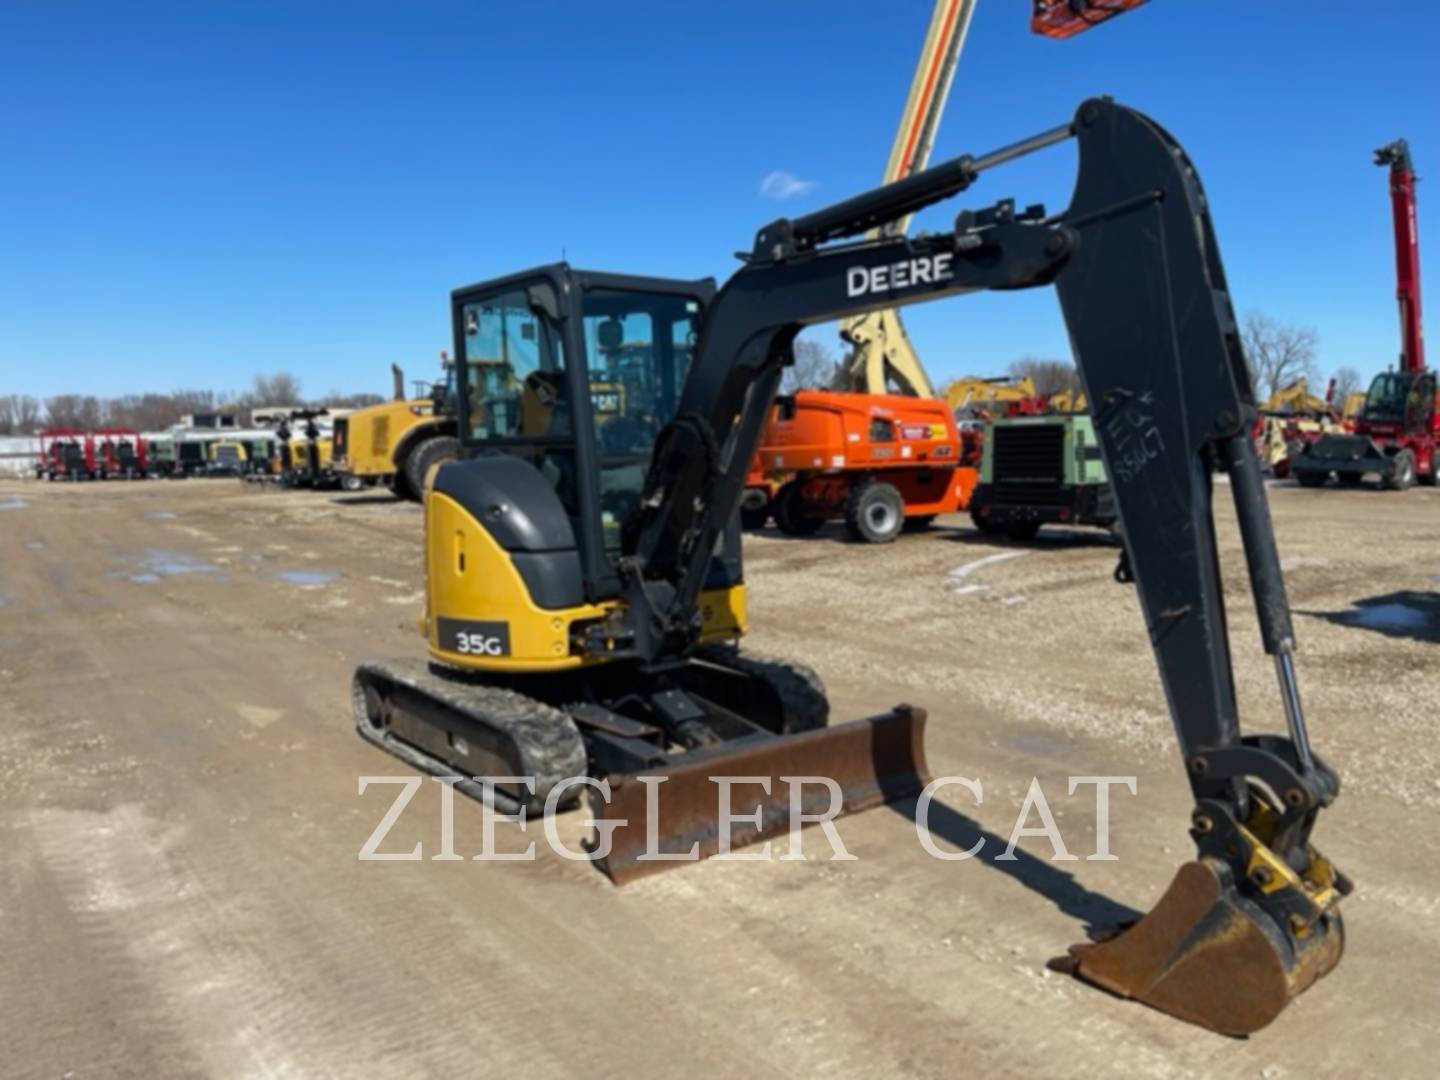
point(1207, 955)
point(870, 762)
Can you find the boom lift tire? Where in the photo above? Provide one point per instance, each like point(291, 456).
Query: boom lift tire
point(874, 512)
point(427, 456)
point(791, 517)
point(1402, 477)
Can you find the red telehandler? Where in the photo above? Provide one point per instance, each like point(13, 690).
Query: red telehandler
point(1396, 431)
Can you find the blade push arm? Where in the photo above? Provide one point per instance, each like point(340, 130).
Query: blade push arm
point(1139, 279)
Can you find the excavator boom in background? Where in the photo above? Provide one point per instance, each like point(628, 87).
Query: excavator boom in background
point(585, 588)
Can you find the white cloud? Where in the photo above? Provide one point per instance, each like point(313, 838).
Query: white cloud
point(784, 185)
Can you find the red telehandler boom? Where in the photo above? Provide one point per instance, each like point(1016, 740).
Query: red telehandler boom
point(1397, 431)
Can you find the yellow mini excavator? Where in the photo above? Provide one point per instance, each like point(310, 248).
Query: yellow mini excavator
point(585, 593)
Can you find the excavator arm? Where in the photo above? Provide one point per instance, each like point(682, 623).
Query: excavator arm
point(1253, 920)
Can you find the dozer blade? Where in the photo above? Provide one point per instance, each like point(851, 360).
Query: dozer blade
point(872, 762)
point(1207, 955)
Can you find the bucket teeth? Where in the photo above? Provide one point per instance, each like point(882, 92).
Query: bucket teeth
point(1210, 956)
point(870, 762)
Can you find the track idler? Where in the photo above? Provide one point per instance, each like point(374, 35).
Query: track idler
point(1212, 955)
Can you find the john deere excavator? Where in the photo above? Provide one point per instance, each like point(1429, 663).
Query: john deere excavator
point(584, 585)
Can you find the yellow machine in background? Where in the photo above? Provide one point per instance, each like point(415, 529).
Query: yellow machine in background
point(1295, 398)
point(396, 443)
point(226, 457)
point(979, 392)
point(311, 462)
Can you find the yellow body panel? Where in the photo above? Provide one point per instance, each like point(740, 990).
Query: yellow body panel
point(300, 453)
point(374, 432)
point(985, 393)
point(214, 449)
point(471, 577)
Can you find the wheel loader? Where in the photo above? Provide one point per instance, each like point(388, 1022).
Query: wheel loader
point(585, 591)
point(397, 442)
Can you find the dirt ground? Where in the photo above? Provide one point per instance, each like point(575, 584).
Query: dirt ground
point(180, 892)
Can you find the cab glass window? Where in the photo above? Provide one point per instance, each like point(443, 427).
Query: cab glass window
point(514, 381)
point(638, 348)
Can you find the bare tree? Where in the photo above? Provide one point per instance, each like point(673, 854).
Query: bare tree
point(1050, 376)
point(814, 368)
point(281, 388)
point(1278, 353)
point(338, 399)
point(63, 410)
point(1347, 381)
point(27, 413)
point(7, 415)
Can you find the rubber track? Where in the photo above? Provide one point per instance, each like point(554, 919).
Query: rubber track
point(549, 743)
point(802, 694)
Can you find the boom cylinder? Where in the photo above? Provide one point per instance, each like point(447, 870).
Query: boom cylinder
point(912, 193)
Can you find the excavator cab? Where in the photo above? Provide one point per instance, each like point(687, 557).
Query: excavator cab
point(1066, 18)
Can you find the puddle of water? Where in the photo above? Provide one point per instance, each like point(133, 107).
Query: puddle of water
point(170, 563)
point(5, 600)
point(307, 577)
point(1034, 742)
point(1394, 616)
point(35, 545)
point(13, 504)
point(160, 515)
point(143, 579)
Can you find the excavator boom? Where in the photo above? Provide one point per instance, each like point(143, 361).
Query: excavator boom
point(1172, 403)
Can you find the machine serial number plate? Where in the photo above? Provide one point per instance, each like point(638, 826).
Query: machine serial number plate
point(471, 638)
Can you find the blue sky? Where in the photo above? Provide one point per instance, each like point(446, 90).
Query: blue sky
point(194, 192)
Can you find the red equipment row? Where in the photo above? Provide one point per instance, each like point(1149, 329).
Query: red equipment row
point(100, 454)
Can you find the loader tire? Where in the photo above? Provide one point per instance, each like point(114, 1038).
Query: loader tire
point(1402, 476)
point(792, 517)
point(427, 456)
point(754, 519)
point(874, 512)
point(803, 702)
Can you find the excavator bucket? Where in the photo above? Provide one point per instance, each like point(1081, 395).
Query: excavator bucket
point(1207, 955)
point(1066, 18)
point(674, 815)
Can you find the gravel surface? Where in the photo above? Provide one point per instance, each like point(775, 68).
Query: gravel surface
point(180, 814)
